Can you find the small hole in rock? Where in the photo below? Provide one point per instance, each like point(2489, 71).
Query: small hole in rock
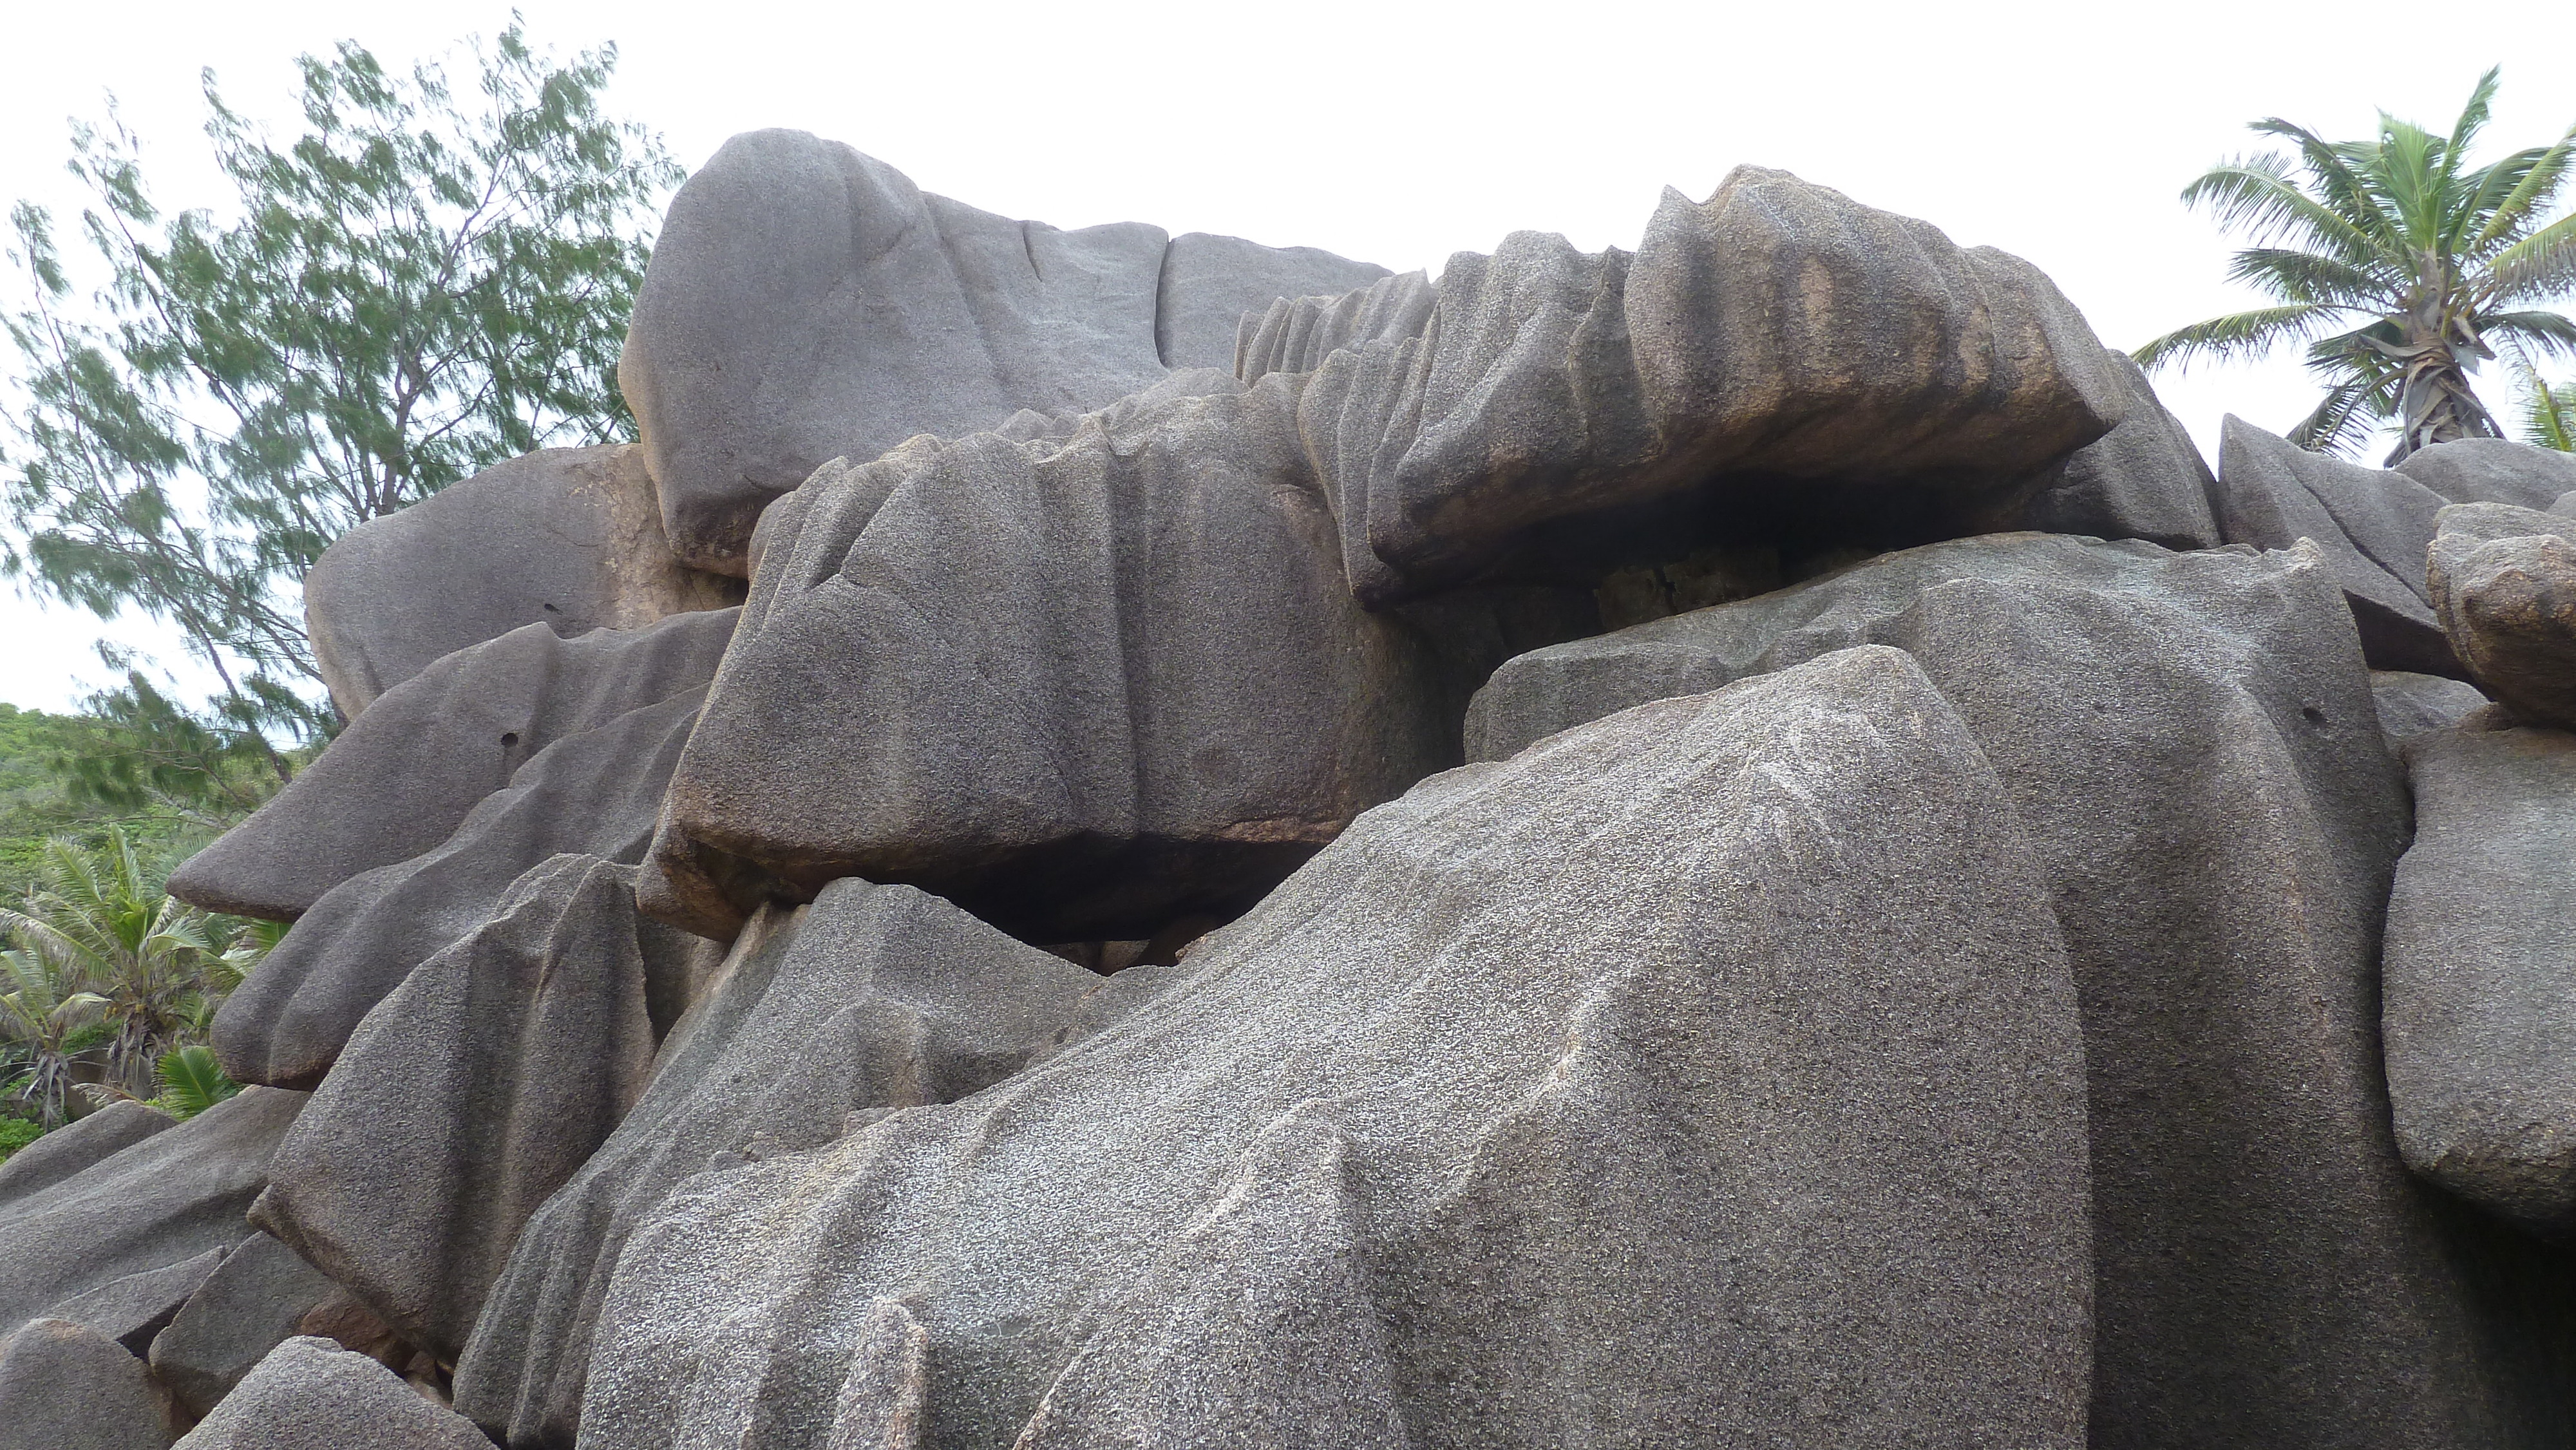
point(510, 740)
point(2313, 715)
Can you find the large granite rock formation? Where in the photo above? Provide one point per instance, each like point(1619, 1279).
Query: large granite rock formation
point(65, 1386)
point(1133, 683)
point(310, 1394)
point(2492, 470)
point(874, 998)
point(2191, 742)
point(568, 537)
point(249, 1306)
point(162, 1201)
point(2145, 479)
point(135, 1309)
point(592, 794)
point(2503, 582)
point(1501, 1123)
point(806, 302)
point(2480, 972)
point(402, 777)
point(2410, 704)
point(472, 1091)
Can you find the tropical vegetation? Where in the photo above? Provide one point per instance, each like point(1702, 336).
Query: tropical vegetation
point(2402, 267)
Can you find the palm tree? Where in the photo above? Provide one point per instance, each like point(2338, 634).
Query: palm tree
point(100, 926)
point(42, 1017)
point(2436, 261)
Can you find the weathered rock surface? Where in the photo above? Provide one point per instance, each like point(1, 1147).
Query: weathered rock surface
point(1134, 685)
point(2492, 470)
point(1078, 687)
point(2191, 742)
point(470, 1093)
point(76, 1145)
point(1372, 1167)
point(403, 776)
point(310, 1394)
point(249, 1306)
point(163, 1200)
point(806, 303)
point(2480, 972)
point(65, 1386)
point(1776, 361)
point(2145, 479)
point(1296, 334)
point(873, 998)
point(566, 537)
point(593, 794)
point(135, 1309)
point(2503, 582)
point(2410, 704)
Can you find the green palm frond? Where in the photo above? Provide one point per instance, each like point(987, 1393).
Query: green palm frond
point(2540, 265)
point(2239, 334)
point(2295, 276)
point(2549, 418)
point(2261, 200)
point(2544, 332)
point(2535, 178)
point(2341, 423)
point(192, 1081)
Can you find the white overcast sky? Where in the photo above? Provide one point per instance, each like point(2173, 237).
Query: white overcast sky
point(1401, 132)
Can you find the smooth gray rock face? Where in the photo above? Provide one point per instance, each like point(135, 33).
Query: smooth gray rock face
point(76, 1145)
point(135, 1309)
point(2480, 973)
point(2191, 742)
point(593, 794)
point(1500, 1124)
point(2492, 470)
point(65, 1386)
point(806, 303)
point(2372, 524)
point(2145, 479)
point(403, 776)
point(1211, 286)
point(164, 1200)
point(2410, 704)
point(2503, 582)
point(1078, 687)
point(310, 1394)
point(250, 1305)
point(469, 1094)
point(873, 998)
point(1777, 360)
point(566, 537)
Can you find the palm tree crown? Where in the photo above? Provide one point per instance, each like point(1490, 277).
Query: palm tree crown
point(2421, 265)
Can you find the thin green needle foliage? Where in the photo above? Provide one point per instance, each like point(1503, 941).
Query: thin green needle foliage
point(2400, 265)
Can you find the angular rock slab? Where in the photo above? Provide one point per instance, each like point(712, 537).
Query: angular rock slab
point(469, 1094)
point(2479, 995)
point(871, 999)
point(566, 537)
point(310, 1394)
point(1078, 687)
point(65, 1386)
point(2145, 479)
point(806, 303)
point(592, 794)
point(164, 1200)
point(76, 1145)
point(2410, 704)
point(1707, 1075)
point(249, 1306)
point(403, 776)
point(1778, 359)
point(2191, 742)
point(2503, 582)
point(135, 1309)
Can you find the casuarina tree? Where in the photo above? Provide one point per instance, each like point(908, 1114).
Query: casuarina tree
point(2399, 264)
point(430, 278)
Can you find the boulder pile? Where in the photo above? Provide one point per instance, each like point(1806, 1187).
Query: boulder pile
point(1106, 840)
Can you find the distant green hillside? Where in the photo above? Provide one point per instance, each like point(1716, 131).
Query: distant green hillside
point(36, 800)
